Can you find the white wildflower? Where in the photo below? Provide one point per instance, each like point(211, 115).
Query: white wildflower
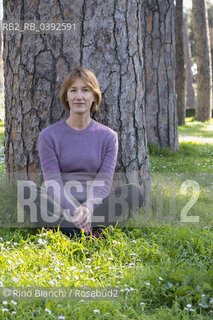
point(72, 268)
point(47, 310)
point(4, 302)
point(147, 283)
point(4, 310)
point(188, 305)
point(52, 282)
point(41, 241)
point(96, 311)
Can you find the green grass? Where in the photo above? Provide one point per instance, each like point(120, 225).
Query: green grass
point(163, 270)
point(195, 150)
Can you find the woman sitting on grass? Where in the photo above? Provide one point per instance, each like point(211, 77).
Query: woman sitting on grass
point(79, 155)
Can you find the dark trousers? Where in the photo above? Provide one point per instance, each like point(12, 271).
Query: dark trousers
point(115, 208)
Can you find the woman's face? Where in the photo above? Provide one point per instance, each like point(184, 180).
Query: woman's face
point(80, 97)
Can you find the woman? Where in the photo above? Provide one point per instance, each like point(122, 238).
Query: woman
point(78, 157)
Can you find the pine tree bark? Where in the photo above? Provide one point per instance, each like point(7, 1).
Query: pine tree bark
point(190, 96)
point(159, 57)
point(1, 66)
point(203, 59)
point(107, 40)
point(180, 72)
point(1, 61)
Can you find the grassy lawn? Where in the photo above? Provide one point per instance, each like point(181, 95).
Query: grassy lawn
point(164, 270)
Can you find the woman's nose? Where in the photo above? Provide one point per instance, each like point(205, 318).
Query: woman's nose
point(79, 95)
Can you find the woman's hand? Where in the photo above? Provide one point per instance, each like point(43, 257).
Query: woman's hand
point(82, 217)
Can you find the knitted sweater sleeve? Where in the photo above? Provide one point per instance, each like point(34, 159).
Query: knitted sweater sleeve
point(101, 185)
point(51, 173)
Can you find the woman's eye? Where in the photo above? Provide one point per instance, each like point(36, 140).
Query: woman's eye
point(72, 90)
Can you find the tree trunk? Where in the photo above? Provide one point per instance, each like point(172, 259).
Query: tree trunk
point(180, 72)
point(211, 44)
point(108, 41)
point(1, 61)
point(159, 55)
point(190, 96)
point(203, 59)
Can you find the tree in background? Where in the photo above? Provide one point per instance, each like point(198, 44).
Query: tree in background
point(190, 96)
point(180, 72)
point(203, 60)
point(108, 40)
point(159, 57)
point(210, 19)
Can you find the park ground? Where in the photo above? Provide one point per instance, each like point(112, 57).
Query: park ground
point(162, 262)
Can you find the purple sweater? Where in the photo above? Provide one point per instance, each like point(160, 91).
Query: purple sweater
point(81, 160)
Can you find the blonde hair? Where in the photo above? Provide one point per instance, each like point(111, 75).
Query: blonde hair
point(90, 80)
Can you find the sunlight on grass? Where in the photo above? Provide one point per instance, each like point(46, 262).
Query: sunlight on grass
point(195, 131)
point(1, 127)
point(196, 139)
